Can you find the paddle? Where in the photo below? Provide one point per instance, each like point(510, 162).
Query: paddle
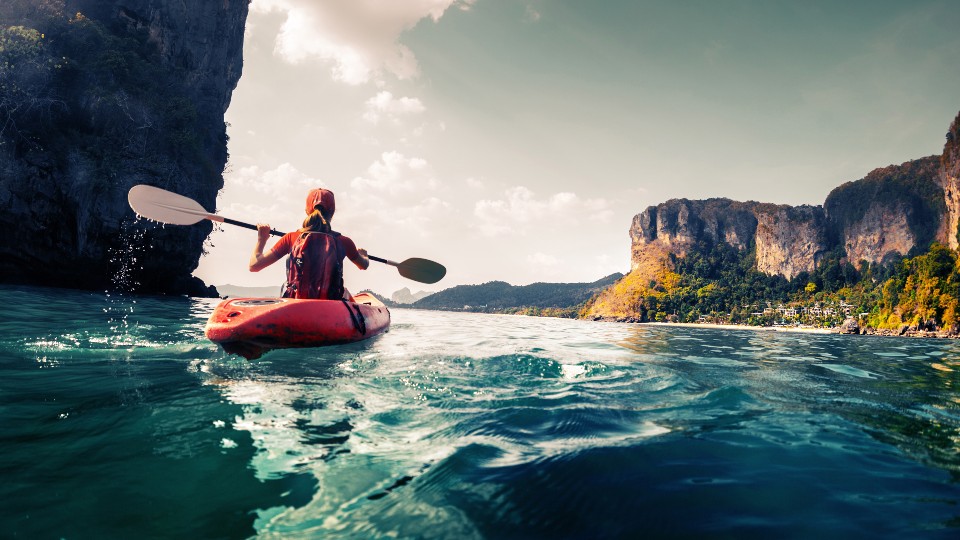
point(174, 209)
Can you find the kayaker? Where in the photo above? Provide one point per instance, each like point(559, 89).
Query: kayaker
point(315, 265)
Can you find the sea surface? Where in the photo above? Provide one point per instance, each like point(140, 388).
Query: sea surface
point(118, 419)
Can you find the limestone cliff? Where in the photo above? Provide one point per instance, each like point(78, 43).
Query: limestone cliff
point(950, 181)
point(789, 239)
point(679, 224)
point(107, 94)
point(889, 213)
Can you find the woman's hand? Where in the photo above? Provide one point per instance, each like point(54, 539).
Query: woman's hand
point(258, 260)
point(263, 232)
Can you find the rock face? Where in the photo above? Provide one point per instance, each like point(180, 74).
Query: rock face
point(849, 326)
point(887, 213)
point(789, 239)
point(129, 92)
point(404, 296)
point(679, 224)
point(949, 179)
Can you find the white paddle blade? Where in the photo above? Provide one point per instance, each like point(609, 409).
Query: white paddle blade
point(166, 207)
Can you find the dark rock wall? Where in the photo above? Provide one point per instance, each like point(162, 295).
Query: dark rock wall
point(149, 112)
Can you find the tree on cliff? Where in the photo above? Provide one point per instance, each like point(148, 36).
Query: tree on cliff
point(24, 76)
point(925, 291)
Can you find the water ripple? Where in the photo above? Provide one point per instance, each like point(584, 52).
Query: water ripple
point(508, 427)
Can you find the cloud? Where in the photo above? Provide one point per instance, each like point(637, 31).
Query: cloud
point(520, 208)
point(475, 183)
point(532, 14)
point(394, 173)
point(398, 192)
point(361, 38)
point(384, 104)
point(277, 182)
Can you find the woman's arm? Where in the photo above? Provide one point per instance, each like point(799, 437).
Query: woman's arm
point(362, 261)
point(358, 256)
point(259, 261)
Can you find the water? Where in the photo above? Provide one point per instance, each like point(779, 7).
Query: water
point(119, 420)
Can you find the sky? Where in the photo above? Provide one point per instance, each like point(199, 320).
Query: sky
point(514, 140)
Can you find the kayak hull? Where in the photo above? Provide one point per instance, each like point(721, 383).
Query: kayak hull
point(249, 326)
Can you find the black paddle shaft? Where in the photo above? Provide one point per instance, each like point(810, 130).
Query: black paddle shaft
point(378, 259)
point(249, 226)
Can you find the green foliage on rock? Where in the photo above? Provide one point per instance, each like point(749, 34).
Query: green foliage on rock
point(718, 283)
point(73, 82)
point(923, 292)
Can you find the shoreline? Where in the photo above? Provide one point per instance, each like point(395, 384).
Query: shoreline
point(800, 329)
point(718, 326)
point(915, 334)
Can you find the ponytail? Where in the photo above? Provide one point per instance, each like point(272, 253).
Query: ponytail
point(316, 221)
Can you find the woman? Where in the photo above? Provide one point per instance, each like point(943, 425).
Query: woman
point(315, 266)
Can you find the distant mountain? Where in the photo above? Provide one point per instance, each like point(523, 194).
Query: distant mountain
point(386, 301)
point(404, 296)
point(237, 291)
point(559, 299)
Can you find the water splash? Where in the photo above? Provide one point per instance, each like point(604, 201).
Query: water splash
point(125, 267)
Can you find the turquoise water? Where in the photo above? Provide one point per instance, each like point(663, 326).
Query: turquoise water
point(119, 420)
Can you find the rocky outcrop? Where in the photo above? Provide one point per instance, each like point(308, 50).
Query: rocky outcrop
point(849, 326)
point(125, 92)
point(680, 224)
point(404, 296)
point(888, 212)
point(949, 179)
point(789, 239)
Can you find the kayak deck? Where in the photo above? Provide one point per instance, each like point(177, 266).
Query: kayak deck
point(250, 326)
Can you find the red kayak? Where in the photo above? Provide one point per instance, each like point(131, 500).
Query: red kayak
point(250, 326)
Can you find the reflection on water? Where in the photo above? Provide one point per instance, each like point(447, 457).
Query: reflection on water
point(468, 426)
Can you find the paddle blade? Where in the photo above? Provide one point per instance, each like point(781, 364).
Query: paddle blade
point(422, 270)
point(165, 206)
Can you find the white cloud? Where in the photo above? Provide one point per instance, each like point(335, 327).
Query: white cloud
point(532, 14)
point(384, 104)
point(400, 193)
point(395, 173)
point(520, 208)
point(277, 182)
point(360, 37)
point(475, 183)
